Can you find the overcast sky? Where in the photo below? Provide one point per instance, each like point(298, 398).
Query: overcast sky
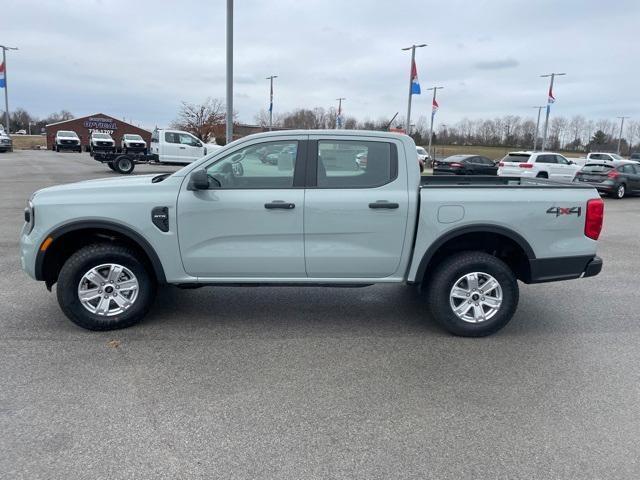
point(138, 59)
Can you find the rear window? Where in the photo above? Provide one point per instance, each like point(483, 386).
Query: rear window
point(596, 168)
point(456, 158)
point(516, 157)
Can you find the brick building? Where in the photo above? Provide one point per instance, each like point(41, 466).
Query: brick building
point(100, 122)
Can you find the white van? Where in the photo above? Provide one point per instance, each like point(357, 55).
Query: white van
point(176, 146)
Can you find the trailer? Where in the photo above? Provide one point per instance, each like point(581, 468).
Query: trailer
point(124, 163)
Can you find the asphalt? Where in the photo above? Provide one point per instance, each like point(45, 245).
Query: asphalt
point(319, 382)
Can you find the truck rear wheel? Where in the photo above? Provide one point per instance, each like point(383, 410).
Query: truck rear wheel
point(124, 164)
point(105, 287)
point(473, 294)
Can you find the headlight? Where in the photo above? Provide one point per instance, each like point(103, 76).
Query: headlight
point(29, 217)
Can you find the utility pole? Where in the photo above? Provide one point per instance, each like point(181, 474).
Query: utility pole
point(6, 87)
point(411, 76)
point(550, 100)
point(229, 129)
point(339, 117)
point(535, 138)
point(620, 136)
point(433, 113)
point(271, 100)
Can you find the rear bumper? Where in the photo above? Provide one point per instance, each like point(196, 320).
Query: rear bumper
point(563, 268)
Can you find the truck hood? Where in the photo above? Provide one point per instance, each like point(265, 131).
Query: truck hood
point(100, 184)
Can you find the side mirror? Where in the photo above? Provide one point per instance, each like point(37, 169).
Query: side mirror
point(199, 180)
point(198, 144)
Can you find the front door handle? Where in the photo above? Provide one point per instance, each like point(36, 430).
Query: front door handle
point(384, 204)
point(280, 205)
point(182, 148)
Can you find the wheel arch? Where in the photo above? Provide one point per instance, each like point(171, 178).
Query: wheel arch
point(68, 238)
point(500, 241)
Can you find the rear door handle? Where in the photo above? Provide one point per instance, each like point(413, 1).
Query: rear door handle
point(383, 204)
point(279, 204)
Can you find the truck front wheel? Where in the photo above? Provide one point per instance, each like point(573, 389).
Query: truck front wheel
point(105, 287)
point(473, 294)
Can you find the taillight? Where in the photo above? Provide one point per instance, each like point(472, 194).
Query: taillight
point(613, 174)
point(526, 165)
point(501, 164)
point(594, 218)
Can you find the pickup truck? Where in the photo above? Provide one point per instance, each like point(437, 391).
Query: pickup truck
point(176, 146)
point(6, 144)
point(101, 142)
point(231, 219)
point(67, 140)
point(591, 156)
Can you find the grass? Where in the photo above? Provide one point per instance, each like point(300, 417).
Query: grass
point(28, 142)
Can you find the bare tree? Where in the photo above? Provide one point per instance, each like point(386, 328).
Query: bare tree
point(205, 120)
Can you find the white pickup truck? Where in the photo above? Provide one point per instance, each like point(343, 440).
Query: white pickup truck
point(176, 146)
point(310, 218)
point(598, 157)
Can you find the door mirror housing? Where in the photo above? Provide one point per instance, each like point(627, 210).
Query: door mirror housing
point(199, 180)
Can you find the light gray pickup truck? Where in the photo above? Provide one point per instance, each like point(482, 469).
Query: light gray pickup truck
point(313, 216)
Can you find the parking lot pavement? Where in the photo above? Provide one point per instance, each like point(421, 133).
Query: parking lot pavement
point(317, 383)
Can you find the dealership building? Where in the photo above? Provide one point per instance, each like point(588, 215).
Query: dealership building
point(98, 122)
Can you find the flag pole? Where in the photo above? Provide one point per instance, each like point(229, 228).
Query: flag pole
point(546, 119)
point(413, 59)
point(271, 101)
point(6, 88)
point(433, 102)
point(535, 138)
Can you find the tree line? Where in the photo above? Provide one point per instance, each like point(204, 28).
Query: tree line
point(22, 120)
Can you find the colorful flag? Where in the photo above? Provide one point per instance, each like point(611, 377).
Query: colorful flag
point(551, 98)
point(415, 84)
point(2, 82)
point(434, 107)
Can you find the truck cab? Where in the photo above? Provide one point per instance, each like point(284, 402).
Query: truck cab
point(101, 142)
point(177, 146)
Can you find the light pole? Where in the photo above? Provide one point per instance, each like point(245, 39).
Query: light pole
point(620, 136)
point(412, 73)
point(339, 117)
point(550, 100)
point(535, 138)
point(229, 129)
point(6, 88)
point(433, 113)
point(271, 100)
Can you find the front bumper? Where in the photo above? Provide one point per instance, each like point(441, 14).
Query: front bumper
point(563, 268)
point(68, 146)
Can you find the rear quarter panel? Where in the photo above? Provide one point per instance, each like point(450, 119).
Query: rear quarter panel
point(522, 210)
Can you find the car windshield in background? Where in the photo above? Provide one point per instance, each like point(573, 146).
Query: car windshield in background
point(421, 151)
point(63, 133)
point(516, 157)
point(133, 137)
point(596, 168)
point(616, 156)
point(101, 135)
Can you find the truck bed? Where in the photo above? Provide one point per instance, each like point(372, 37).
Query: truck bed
point(491, 181)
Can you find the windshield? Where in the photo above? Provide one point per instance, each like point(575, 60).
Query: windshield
point(616, 156)
point(516, 157)
point(421, 151)
point(101, 135)
point(64, 133)
point(596, 168)
point(132, 137)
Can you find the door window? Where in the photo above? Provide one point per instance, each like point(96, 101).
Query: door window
point(186, 139)
point(261, 166)
point(171, 137)
point(561, 160)
point(629, 169)
point(355, 164)
point(546, 159)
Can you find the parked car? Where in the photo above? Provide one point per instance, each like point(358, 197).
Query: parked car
point(67, 140)
point(176, 146)
point(617, 178)
point(539, 165)
point(423, 158)
point(465, 165)
point(21, 132)
point(6, 144)
point(101, 142)
point(108, 243)
point(591, 156)
point(132, 142)
point(635, 157)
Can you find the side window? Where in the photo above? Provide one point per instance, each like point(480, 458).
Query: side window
point(171, 137)
point(356, 164)
point(596, 156)
point(186, 139)
point(259, 166)
point(561, 160)
point(484, 161)
point(546, 159)
point(628, 169)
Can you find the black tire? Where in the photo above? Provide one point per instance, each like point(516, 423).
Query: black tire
point(450, 271)
point(124, 165)
point(621, 191)
point(79, 149)
point(543, 175)
point(92, 256)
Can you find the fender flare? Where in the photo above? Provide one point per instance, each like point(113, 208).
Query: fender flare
point(482, 228)
point(105, 225)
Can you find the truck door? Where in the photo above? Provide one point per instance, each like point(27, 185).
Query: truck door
point(249, 224)
point(355, 215)
point(190, 148)
point(169, 147)
point(566, 170)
